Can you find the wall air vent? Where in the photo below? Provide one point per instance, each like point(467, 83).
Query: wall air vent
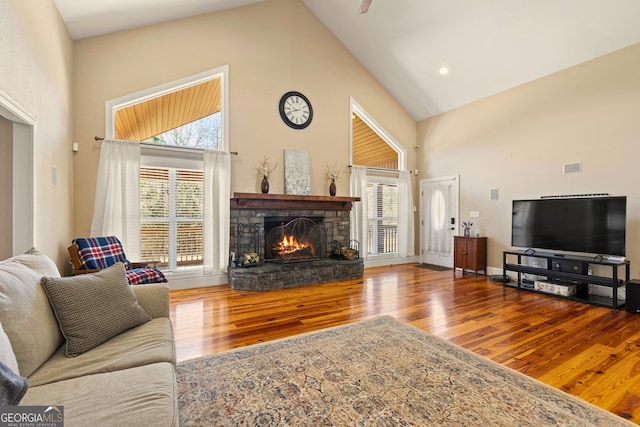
point(572, 167)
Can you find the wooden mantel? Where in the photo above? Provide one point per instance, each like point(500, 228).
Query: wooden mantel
point(290, 201)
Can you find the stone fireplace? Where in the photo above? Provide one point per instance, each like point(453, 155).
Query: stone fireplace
point(291, 236)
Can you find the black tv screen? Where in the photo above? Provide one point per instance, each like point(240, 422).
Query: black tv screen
point(592, 225)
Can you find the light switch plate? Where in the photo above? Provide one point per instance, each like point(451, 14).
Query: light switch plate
point(54, 176)
point(474, 214)
point(493, 194)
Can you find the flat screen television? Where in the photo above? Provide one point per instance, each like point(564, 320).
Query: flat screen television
point(594, 225)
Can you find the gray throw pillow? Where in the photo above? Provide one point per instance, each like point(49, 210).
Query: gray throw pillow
point(12, 387)
point(92, 308)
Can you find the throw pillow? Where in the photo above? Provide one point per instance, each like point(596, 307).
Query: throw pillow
point(12, 386)
point(92, 308)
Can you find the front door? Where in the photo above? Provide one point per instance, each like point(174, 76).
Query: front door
point(438, 219)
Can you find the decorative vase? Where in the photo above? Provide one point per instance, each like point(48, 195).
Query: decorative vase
point(467, 232)
point(264, 186)
point(332, 188)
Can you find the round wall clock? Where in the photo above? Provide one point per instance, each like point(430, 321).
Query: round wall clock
point(295, 110)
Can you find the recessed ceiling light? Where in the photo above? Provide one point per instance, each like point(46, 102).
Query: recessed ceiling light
point(444, 70)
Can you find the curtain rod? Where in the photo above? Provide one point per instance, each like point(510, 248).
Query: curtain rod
point(97, 138)
point(372, 168)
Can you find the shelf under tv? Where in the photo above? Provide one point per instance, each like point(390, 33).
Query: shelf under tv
point(548, 269)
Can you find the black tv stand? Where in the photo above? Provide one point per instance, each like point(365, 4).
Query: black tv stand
point(578, 277)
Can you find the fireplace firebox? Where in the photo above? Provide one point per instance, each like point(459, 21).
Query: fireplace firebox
point(297, 239)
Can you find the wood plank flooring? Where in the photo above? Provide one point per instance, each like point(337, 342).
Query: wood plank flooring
point(590, 352)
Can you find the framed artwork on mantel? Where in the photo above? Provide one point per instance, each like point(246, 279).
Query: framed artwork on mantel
point(296, 172)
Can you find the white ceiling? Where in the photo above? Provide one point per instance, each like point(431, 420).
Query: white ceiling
point(489, 45)
point(88, 18)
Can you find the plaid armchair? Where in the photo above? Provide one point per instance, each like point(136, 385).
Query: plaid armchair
point(93, 254)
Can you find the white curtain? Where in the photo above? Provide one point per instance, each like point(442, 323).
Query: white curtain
point(359, 212)
point(405, 216)
point(217, 195)
point(116, 210)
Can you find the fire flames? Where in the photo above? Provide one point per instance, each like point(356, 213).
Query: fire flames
point(290, 245)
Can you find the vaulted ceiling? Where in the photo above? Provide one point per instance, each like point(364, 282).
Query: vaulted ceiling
point(486, 46)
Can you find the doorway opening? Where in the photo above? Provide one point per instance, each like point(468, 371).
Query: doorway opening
point(17, 188)
point(438, 219)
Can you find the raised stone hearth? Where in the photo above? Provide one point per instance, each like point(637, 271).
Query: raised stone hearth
point(251, 209)
point(273, 276)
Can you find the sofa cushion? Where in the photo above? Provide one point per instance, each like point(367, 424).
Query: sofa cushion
point(25, 312)
point(143, 396)
point(92, 308)
point(148, 343)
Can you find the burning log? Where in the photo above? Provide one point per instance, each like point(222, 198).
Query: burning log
point(289, 245)
point(299, 239)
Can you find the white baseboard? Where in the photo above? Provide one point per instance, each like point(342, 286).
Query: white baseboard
point(384, 261)
point(178, 281)
point(494, 270)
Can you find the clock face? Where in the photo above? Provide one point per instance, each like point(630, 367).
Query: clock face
point(295, 110)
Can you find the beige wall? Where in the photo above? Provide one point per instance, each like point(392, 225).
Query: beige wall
point(36, 71)
point(271, 48)
point(518, 141)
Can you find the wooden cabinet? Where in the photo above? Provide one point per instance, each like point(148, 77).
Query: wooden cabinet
point(470, 253)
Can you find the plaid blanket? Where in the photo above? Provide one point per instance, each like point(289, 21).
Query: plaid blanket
point(142, 276)
point(97, 253)
point(100, 252)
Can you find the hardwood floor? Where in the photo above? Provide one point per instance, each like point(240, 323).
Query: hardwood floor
point(590, 352)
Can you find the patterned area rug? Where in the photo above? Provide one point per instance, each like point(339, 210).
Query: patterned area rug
point(378, 372)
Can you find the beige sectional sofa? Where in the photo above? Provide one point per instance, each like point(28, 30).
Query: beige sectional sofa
point(128, 380)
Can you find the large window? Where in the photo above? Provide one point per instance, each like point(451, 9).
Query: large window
point(382, 217)
point(383, 157)
point(174, 123)
point(171, 217)
point(187, 116)
point(171, 198)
